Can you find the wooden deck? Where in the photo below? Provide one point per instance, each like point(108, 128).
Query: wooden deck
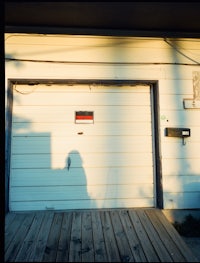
point(111, 235)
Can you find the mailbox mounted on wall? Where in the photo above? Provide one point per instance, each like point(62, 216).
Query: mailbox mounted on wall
point(178, 132)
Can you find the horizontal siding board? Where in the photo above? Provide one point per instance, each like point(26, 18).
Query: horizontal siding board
point(76, 204)
point(93, 176)
point(73, 71)
point(185, 166)
point(182, 86)
point(101, 52)
point(183, 200)
point(54, 145)
point(172, 102)
point(187, 183)
point(89, 159)
point(75, 42)
point(176, 118)
point(80, 192)
point(178, 150)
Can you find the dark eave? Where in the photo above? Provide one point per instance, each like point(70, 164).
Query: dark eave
point(176, 19)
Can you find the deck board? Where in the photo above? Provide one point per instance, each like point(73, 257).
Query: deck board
point(104, 235)
point(100, 254)
point(64, 242)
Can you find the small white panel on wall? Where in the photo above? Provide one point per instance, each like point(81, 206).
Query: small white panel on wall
point(191, 104)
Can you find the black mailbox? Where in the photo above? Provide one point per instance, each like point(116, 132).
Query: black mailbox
point(177, 132)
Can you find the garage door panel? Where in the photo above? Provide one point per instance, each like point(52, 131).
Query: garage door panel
point(59, 164)
point(75, 176)
point(76, 204)
point(81, 192)
point(88, 160)
point(31, 114)
point(90, 98)
point(81, 143)
point(24, 89)
point(36, 129)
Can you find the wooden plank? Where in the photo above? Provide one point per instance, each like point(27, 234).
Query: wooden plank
point(87, 246)
point(122, 242)
point(12, 228)
point(9, 219)
point(31, 237)
point(100, 253)
point(148, 249)
point(64, 241)
point(154, 237)
point(18, 238)
point(167, 241)
point(40, 244)
point(76, 239)
point(111, 246)
point(112, 235)
point(53, 238)
point(132, 237)
point(174, 235)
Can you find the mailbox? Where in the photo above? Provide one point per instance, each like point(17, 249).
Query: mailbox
point(178, 132)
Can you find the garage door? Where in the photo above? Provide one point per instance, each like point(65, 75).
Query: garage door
point(81, 146)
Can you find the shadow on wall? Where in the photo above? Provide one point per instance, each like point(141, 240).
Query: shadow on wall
point(32, 177)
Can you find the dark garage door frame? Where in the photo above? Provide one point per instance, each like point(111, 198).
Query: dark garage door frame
point(155, 118)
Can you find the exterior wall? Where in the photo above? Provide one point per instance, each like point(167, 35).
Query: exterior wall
point(171, 62)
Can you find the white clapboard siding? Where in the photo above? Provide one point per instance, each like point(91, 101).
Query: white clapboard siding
point(176, 118)
point(181, 200)
point(106, 163)
point(178, 150)
point(181, 166)
point(190, 183)
point(101, 48)
point(112, 58)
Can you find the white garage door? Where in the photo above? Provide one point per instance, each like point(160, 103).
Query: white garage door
point(81, 146)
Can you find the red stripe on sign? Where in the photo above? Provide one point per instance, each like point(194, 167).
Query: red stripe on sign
point(84, 117)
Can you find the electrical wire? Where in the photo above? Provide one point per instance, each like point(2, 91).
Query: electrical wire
point(24, 93)
point(101, 62)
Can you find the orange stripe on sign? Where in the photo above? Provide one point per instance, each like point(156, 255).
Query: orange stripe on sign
point(84, 117)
